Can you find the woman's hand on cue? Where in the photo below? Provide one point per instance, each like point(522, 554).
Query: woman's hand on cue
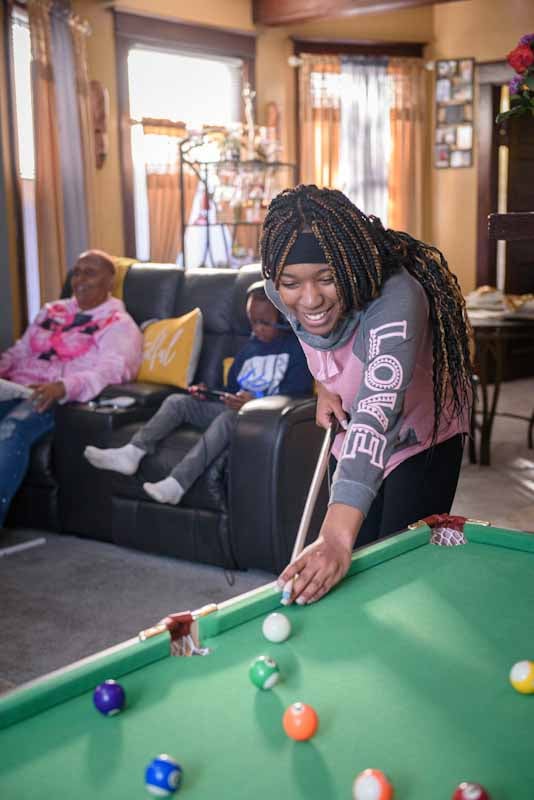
point(328, 406)
point(326, 561)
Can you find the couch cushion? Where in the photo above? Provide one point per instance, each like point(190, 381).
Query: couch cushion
point(212, 290)
point(150, 291)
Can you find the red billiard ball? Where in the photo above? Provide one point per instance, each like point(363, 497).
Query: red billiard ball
point(372, 784)
point(470, 791)
point(300, 722)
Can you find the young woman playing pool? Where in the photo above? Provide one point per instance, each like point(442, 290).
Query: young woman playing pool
point(383, 324)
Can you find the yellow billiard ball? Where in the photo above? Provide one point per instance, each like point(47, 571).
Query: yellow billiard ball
point(522, 677)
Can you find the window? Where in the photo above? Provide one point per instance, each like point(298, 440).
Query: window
point(184, 87)
point(178, 87)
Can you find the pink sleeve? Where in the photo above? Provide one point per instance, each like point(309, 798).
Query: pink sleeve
point(117, 360)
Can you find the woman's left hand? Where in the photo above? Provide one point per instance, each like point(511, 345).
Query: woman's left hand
point(235, 401)
point(46, 394)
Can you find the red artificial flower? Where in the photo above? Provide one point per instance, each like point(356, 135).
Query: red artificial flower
point(521, 58)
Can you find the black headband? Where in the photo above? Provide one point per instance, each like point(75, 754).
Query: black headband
point(306, 250)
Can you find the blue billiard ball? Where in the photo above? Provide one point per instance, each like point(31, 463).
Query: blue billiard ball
point(163, 776)
point(109, 698)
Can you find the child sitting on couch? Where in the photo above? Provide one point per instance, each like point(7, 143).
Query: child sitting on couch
point(272, 362)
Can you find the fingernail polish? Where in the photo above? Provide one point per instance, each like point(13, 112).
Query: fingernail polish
point(300, 601)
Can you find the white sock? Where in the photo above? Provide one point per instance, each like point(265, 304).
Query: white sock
point(166, 491)
point(118, 459)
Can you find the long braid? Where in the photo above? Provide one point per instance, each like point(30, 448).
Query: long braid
point(362, 255)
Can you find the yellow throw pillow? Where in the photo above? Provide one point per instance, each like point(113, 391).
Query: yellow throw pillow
point(171, 350)
point(122, 265)
point(227, 365)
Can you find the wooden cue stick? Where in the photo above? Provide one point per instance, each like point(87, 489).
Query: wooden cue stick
point(311, 499)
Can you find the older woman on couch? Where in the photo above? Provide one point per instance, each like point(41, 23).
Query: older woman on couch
point(71, 352)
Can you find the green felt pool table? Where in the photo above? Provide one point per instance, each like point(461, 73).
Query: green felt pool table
point(406, 663)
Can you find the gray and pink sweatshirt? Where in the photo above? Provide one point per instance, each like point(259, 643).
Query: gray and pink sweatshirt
point(379, 361)
point(86, 350)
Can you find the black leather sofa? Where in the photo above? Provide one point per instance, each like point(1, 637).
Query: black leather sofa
point(244, 512)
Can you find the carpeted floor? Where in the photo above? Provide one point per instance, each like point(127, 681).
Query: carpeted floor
point(72, 597)
point(503, 493)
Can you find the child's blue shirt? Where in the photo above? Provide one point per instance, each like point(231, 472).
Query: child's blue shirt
point(277, 367)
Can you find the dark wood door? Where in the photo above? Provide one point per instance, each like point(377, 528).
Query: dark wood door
point(520, 255)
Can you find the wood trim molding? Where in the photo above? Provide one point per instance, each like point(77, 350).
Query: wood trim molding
point(214, 41)
point(135, 29)
point(287, 12)
point(496, 72)
point(359, 48)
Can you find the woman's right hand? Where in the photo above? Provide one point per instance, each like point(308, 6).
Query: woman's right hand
point(328, 406)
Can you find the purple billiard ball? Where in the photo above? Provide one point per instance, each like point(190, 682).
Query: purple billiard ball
point(109, 698)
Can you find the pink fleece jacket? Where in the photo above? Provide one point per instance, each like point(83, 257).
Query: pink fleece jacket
point(86, 350)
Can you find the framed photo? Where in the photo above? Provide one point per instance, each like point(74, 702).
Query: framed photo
point(453, 136)
point(446, 69)
point(441, 156)
point(453, 114)
point(446, 135)
point(464, 137)
point(443, 90)
point(461, 158)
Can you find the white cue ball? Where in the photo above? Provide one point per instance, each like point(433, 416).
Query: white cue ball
point(276, 627)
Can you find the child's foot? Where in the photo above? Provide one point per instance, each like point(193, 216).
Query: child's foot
point(166, 491)
point(118, 459)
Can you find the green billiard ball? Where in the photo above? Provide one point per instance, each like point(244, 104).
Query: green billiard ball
point(264, 672)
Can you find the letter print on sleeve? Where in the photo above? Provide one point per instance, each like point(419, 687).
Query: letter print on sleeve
point(364, 439)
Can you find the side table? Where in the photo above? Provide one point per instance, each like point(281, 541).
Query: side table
point(491, 338)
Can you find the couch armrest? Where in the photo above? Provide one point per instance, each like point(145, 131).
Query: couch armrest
point(145, 394)
point(85, 492)
point(272, 459)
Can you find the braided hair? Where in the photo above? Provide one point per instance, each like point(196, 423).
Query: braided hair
point(362, 254)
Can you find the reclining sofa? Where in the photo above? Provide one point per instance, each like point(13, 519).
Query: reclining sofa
point(244, 511)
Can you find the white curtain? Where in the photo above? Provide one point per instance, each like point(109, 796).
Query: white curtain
point(365, 101)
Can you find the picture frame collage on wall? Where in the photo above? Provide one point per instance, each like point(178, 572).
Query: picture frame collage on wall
point(453, 141)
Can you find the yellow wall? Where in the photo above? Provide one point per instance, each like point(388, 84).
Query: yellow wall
point(486, 30)
point(101, 57)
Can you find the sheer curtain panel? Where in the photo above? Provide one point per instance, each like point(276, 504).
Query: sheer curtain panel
point(365, 133)
point(319, 115)
point(407, 116)
point(68, 124)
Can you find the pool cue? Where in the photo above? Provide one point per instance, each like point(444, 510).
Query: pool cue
point(309, 505)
